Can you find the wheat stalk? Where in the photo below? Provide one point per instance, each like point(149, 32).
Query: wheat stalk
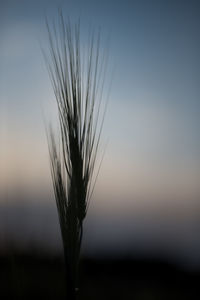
point(77, 83)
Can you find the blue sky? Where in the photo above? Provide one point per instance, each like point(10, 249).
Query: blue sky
point(152, 158)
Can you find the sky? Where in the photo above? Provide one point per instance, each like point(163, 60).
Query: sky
point(147, 194)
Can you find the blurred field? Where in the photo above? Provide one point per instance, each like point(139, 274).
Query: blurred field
point(33, 276)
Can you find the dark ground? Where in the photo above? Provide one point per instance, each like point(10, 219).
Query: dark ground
point(28, 276)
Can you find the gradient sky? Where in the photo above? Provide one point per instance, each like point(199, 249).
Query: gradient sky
point(148, 188)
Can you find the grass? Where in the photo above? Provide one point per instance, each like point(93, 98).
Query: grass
point(77, 78)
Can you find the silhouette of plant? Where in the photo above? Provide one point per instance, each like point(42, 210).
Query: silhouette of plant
point(78, 84)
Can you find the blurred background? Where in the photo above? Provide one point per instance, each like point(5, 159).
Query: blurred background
point(141, 235)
